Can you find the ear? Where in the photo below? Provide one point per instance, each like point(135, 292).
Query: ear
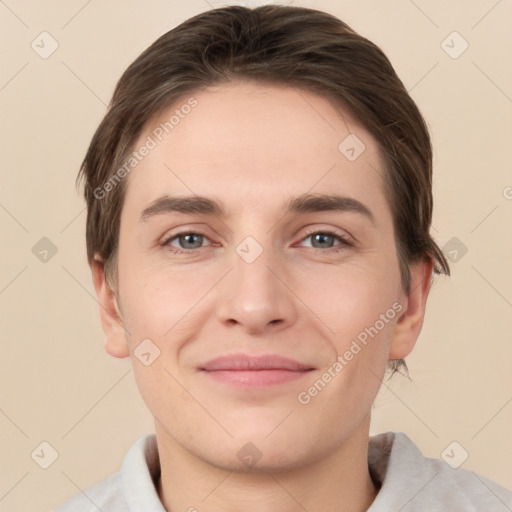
point(116, 343)
point(408, 326)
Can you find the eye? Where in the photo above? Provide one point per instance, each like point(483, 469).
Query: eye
point(322, 240)
point(185, 241)
point(325, 240)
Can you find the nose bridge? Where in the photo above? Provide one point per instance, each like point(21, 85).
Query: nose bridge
point(252, 265)
point(252, 295)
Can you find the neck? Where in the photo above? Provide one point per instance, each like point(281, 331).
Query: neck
point(341, 481)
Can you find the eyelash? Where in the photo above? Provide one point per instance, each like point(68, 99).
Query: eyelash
point(345, 242)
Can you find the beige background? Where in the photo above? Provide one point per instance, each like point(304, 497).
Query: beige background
point(58, 385)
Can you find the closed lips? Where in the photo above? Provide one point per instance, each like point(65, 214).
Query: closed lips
point(251, 363)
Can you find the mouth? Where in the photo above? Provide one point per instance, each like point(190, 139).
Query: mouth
point(254, 371)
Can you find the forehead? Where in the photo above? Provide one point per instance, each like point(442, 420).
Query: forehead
point(250, 141)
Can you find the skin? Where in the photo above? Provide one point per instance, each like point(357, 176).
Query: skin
point(252, 147)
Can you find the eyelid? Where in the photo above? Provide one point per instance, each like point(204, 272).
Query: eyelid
point(345, 239)
point(328, 229)
point(184, 230)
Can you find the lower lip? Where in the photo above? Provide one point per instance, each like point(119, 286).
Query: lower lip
point(256, 378)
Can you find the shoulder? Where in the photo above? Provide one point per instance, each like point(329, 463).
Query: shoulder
point(412, 482)
point(132, 488)
point(106, 496)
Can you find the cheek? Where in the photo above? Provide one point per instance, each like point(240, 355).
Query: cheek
point(359, 306)
point(361, 311)
point(157, 299)
point(352, 297)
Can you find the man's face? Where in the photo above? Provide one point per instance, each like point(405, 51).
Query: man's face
point(258, 280)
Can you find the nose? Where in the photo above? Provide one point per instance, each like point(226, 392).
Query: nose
point(256, 297)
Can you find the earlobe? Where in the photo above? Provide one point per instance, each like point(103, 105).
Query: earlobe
point(408, 327)
point(116, 343)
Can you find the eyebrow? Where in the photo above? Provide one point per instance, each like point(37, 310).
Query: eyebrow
point(305, 203)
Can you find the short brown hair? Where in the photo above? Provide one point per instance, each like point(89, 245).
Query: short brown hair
point(299, 47)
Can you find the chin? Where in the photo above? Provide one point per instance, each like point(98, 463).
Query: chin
point(248, 458)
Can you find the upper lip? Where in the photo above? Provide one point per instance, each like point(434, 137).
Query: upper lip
point(241, 362)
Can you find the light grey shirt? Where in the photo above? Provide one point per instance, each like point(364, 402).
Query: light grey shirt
point(409, 482)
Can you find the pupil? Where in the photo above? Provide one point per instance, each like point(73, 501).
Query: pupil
point(189, 238)
point(322, 238)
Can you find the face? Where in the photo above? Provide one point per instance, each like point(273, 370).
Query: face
point(259, 269)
